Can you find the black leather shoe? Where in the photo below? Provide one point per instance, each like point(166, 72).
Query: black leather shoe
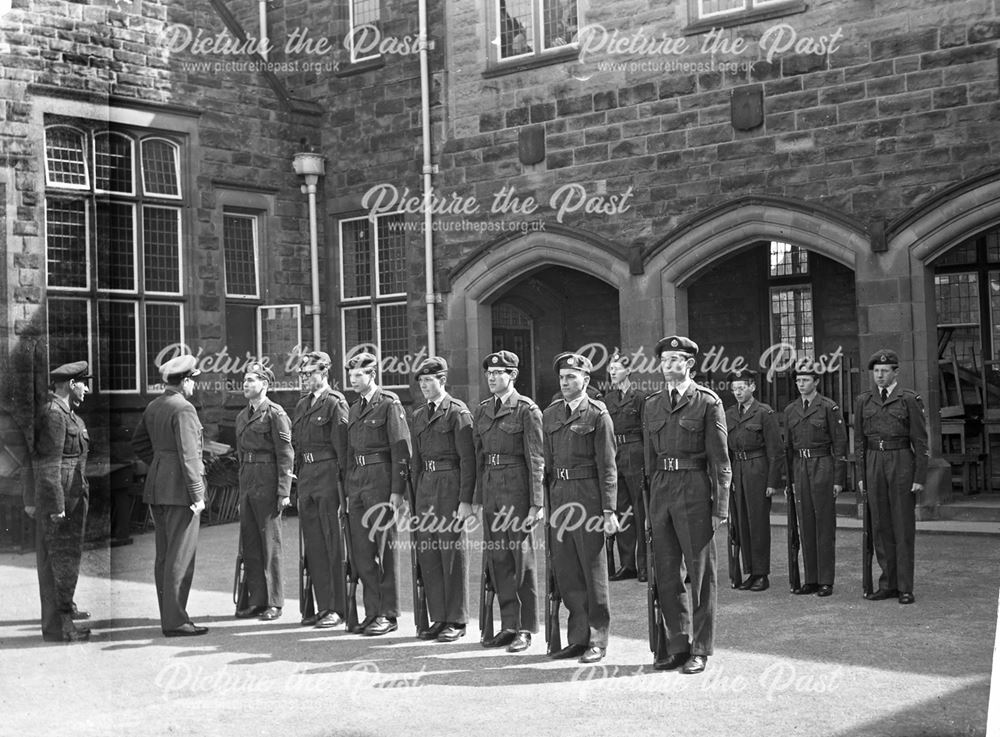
point(432, 632)
point(593, 655)
point(520, 643)
point(79, 614)
point(250, 612)
point(188, 629)
point(570, 651)
point(906, 598)
point(672, 662)
point(809, 588)
point(501, 639)
point(381, 626)
point(360, 627)
point(623, 574)
point(760, 584)
point(825, 590)
point(271, 613)
point(695, 664)
point(328, 620)
point(451, 633)
point(882, 594)
point(643, 577)
point(312, 620)
point(745, 585)
point(79, 634)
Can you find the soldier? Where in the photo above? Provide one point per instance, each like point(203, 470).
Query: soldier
point(890, 445)
point(507, 430)
point(684, 426)
point(816, 440)
point(319, 435)
point(60, 500)
point(757, 455)
point(579, 448)
point(624, 403)
point(378, 457)
point(444, 475)
point(169, 440)
point(264, 447)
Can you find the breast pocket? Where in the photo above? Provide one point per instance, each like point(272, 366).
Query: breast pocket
point(818, 431)
point(692, 435)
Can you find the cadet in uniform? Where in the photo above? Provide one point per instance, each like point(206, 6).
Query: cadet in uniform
point(890, 444)
point(444, 475)
point(684, 426)
point(624, 403)
point(757, 454)
point(60, 500)
point(169, 440)
point(378, 457)
point(264, 446)
point(817, 442)
point(319, 436)
point(579, 450)
point(507, 430)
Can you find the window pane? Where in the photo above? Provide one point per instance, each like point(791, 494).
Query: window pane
point(359, 333)
point(66, 242)
point(280, 338)
point(240, 252)
point(394, 341)
point(961, 255)
point(792, 318)
point(391, 255)
point(559, 22)
point(113, 162)
point(356, 253)
point(716, 7)
point(993, 246)
point(115, 246)
point(161, 249)
point(788, 260)
point(995, 313)
point(68, 330)
point(163, 329)
point(65, 160)
point(159, 168)
point(957, 297)
point(363, 13)
point(516, 25)
point(119, 345)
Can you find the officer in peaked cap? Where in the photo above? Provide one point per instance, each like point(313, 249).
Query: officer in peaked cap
point(890, 444)
point(507, 432)
point(59, 501)
point(169, 440)
point(319, 436)
point(579, 450)
point(264, 447)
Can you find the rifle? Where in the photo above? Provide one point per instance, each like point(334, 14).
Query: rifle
point(553, 599)
point(657, 627)
point(487, 593)
point(735, 568)
point(867, 536)
point(350, 577)
point(420, 614)
point(794, 581)
point(241, 596)
point(307, 601)
point(609, 545)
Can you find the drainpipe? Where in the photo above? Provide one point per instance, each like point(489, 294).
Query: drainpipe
point(428, 169)
point(312, 167)
point(262, 15)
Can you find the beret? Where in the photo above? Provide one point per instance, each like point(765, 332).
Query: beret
point(501, 359)
point(572, 361)
point(620, 357)
point(678, 344)
point(743, 374)
point(315, 361)
point(431, 365)
point(71, 371)
point(883, 356)
point(259, 369)
point(807, 368)
point(179, 366)
point(362, 361)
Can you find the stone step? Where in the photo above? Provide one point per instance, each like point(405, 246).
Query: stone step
point(975, 508)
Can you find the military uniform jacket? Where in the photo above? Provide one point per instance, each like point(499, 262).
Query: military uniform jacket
point(626, 414)
point(445, 436)
point(61, 448)
point(693, 430)
point(320, 429)
point(261, 438)
point(817, 428)
point(169, 440)
point(516, 430)
point(901, 418)
point(757, 431)
point(380, 428)
point(584, 440)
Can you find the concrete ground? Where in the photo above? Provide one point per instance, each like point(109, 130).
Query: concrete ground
point(783, 664)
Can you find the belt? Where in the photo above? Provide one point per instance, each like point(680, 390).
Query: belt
point(888, 444)
point(257, 456)
point(501, 459)
point(628, 437)
point(441, 464)
point(573, 474)
point(747, 455)
point(315, 456)
point(813, 452)
point(372, 458)
point(680, 464)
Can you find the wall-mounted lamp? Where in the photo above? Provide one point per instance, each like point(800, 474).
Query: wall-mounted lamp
point(312, 166)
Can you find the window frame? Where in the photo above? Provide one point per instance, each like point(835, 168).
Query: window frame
point(255, 217)
point(753, 11)
point(539, 56)
point(351, 26)
point(797, 279)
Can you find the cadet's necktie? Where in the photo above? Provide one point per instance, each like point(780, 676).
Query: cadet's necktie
point(805, 404)
point(430, 407)
point(742, 410)
point(496, 406)
point(885, 395)
point(364, 404)
point(675, 397)
point(569, 411)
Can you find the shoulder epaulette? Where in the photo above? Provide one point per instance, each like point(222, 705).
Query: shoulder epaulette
point(599, 404)
point(654, 394)
point(462, 407)
point(709, 392)
point(487, 400)
point(767, 408)
point(554, 402)
point(275, 406)
point(391, 396)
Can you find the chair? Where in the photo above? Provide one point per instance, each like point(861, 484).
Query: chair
point(952, 410)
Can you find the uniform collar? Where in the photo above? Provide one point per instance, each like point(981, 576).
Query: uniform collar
point(503, 398)
point(64, 403)
point(370, 393)
point(889, 389)
point(575, 404)
point(681, 388)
